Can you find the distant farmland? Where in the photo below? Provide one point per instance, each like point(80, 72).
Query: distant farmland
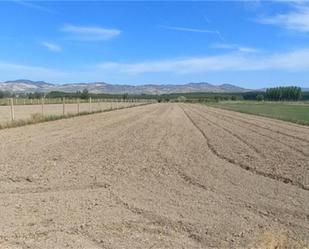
point(297, 112)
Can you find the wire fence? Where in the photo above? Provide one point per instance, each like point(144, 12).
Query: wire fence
point(21, 109)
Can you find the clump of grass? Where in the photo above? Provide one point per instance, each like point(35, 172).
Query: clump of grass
point(36, 117)
point(278, 240)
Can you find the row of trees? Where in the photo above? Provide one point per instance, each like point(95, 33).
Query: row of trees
point(5, 95)
point(85, 94)
point(291, 93)
point(283, 93)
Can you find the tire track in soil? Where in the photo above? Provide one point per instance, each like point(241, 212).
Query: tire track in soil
point(186, 178)
point(114, 124)
point(263, 120)
point(177, 226)
point(225, 118)
point(39, 190)
point(98, 242)
point(154, 220)
point(243, 166)
point(163, 221)
point(260, 153)
point(96, 185)
point(263, 127)
point(282, 155)
point(190, 229)
point(78, 231)
point(252, 207)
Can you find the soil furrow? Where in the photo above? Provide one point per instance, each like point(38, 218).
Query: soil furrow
point(246, 167)
point(254, 148)
point(155, 176)
point(39, 190)
point(267, 135)
point(256, 124)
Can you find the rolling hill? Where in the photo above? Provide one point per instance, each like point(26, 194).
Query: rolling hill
point(18, 86)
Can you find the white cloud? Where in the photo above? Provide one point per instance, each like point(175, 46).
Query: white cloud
point(292, 61)
point(16, 71)
point(52, 46)
point(236, 47)
point(90, 33)
point(179, 66)
point(296, 20)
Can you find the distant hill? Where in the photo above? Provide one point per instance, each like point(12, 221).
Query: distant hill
point(30, 82)
point(22, 85)
point(25, 86)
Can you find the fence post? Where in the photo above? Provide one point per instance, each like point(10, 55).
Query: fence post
point(89, 104)
point(63, 106)
point(12, 109)
point(42, 104)
point(78, 100)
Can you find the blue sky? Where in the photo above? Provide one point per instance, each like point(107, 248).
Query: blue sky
point(252, 44)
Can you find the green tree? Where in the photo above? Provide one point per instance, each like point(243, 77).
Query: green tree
point(85, 94)
point(260, 97)
point(283, 93)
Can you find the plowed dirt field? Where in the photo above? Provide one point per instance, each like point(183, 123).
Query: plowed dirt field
point(155, 176)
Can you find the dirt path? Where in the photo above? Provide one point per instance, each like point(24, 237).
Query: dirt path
point(157, 176)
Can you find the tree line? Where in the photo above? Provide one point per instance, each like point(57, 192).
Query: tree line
point(292, 93)
point(84, 94)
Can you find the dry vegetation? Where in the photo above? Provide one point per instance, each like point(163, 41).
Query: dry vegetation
point(32, 114)
point(156, 176)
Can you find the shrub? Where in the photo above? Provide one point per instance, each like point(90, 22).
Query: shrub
point(260, 97)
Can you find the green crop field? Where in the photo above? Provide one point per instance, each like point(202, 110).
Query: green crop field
point(297, 112)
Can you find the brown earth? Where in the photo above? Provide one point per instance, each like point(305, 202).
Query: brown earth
point(156, 176)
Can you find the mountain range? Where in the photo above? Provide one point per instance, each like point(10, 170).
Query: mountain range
point(20, 86)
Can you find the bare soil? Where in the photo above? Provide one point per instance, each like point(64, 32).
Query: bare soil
point(155, 176)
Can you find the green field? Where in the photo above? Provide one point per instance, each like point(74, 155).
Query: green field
point(297, 112)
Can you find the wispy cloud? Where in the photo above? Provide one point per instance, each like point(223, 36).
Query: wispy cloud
point(193, 30)
point(190, 29)
point(52, 46)
point(231, 46)
point(292, 61)
point(33, 6)
point(295, 20)
point(90, 33)
point(252, 5)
